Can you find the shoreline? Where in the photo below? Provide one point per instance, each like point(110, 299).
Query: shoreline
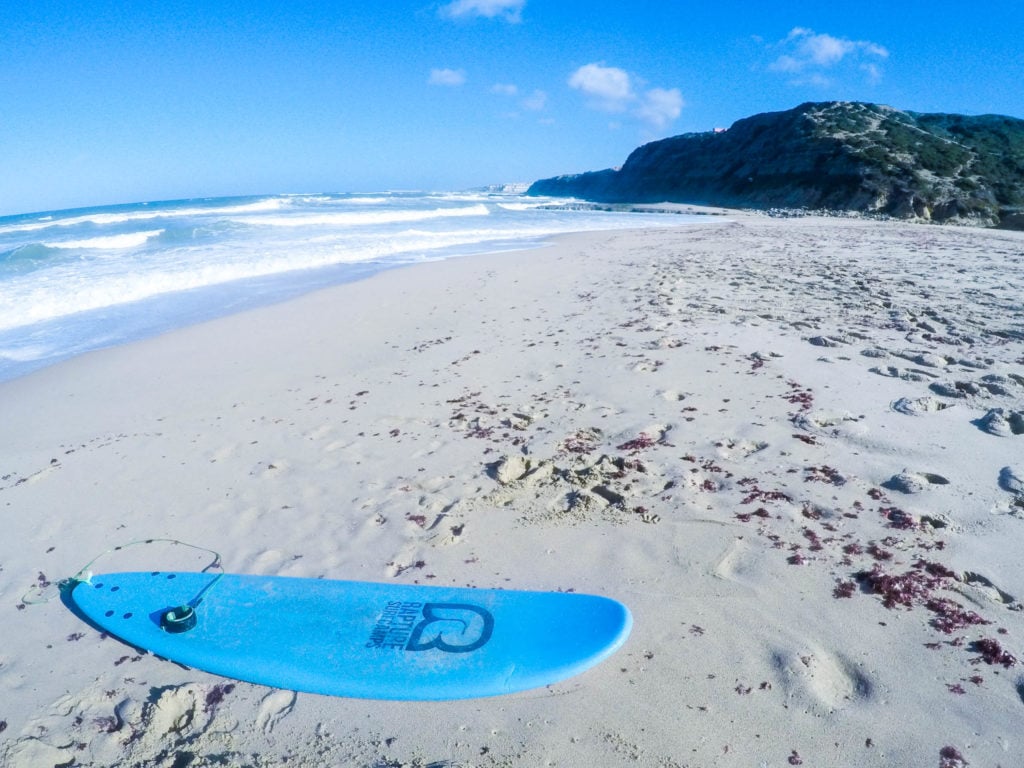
point(52, 339)
point(720, 425)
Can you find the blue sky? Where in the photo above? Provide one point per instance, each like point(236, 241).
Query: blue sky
point(110, 101)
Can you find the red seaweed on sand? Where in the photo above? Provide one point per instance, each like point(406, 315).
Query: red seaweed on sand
point(992, 653)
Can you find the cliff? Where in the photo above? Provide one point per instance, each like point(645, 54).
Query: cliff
point(835, 155)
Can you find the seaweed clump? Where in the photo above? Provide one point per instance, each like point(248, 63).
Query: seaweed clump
point(992, 652)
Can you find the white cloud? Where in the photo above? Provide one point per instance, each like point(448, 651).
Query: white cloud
point(509, 10)
point(535, 102)
point(874, 49)
point(614, 90)
point(873, 71)
point(448, 77)
point(786, 63)
point(660, 106)
point(823, 50)
point(809, 54)
point(610, 87)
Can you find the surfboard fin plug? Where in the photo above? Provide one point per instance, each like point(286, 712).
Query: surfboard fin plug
point(180, 619)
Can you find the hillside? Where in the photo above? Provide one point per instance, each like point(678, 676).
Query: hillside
point(834, 155)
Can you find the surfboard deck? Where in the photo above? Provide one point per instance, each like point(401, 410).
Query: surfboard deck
point(358, 639)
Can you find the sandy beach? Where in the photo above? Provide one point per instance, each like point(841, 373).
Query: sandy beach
point(793, 447)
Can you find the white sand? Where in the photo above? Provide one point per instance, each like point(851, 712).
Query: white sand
point(717, 425)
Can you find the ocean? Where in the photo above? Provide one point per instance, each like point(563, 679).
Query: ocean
point(79, 280)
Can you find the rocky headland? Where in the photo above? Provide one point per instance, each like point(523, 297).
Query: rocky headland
point(841, 156)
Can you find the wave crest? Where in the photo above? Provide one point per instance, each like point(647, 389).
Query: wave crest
point(364, 218)
point(103, 219)
point(113, 242)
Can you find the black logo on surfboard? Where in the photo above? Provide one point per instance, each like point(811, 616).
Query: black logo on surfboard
point(446, 627)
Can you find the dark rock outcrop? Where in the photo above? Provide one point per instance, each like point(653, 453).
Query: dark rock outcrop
point(844, 156)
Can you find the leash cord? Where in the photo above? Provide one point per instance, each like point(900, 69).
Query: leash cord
point(85, 573)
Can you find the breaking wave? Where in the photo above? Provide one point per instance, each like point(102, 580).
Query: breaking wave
point(114, 242)
point(77, 280)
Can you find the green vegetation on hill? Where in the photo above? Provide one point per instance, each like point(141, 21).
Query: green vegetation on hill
point(834, 155)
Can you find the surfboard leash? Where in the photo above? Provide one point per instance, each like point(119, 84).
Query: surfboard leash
point(178, 619)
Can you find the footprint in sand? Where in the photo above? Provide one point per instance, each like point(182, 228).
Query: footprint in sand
point(744, 564)
point(909, 374)
point(174, 711)
point(828, 341)
point(91, 728)
point(274, 707)
point(646, 366)
point(1011, 479)
point(1002, 422)
point(913, 482)
point(655, 434)
point(987, 589)
point(988, 385)
point(927, 359)
point(919, 405)
point(730, 448)
point(832, 423)
point(820, 681)
point(32, 753)
point(999, 385)
point(511, 469)
point(875, 353)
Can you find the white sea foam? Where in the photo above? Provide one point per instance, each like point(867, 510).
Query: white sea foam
point(460, 196)
point(203, 257)
point(24, 354)
point(69, 291)
point(520, 206)
point(105, 219)
point(362, 218)
point(113, 242)
point(366, 200)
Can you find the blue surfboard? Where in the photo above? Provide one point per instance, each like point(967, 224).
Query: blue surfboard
point(357, 639)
